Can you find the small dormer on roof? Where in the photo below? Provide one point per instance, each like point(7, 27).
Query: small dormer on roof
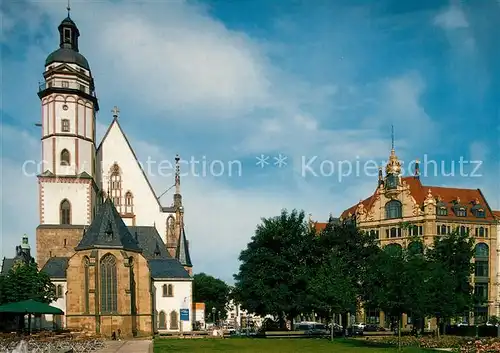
point(459, 209)
point(478, 210)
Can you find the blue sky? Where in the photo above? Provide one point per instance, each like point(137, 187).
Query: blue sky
point(231, 80)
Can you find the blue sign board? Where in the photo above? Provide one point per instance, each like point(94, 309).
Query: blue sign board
point(184, 314)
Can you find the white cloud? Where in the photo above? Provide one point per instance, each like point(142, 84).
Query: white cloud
point(451, 18)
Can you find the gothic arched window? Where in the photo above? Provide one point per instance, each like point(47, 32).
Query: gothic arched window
point(393, 209)
point(65, 157)
point(129, 202)
point(162, 320)
point(109, 285)
point(86, 279)
point(115, 187)
point(65, 212)
point(170, 290)
point(174, 324)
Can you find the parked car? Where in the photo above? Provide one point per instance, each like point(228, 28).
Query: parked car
point(312, 328)
point(359, 326)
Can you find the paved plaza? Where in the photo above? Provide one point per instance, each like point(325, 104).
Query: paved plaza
point(135, 346)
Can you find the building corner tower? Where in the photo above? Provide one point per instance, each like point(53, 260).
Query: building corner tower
point(67, 187)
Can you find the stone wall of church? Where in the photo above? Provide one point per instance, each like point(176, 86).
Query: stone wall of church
point(56, 241)
point(83, 299)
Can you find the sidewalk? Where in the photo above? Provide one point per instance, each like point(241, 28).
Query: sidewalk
point(136, 346)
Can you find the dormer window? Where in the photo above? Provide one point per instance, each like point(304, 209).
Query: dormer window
point(442, 211)
point(480, 213)
point(461, 212)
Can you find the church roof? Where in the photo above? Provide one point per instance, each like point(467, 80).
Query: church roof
point(150, 242)
point(108, 231)
point(6, 265)
point(56, 267)
point(182, 251)
point(167, 269)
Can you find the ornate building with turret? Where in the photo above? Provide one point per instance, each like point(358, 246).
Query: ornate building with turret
point(118, 257)
point(402, 208)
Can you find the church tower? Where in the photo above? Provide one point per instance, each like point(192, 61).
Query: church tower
point(67, 188)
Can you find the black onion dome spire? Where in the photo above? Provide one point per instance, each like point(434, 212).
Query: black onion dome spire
point(68, 51)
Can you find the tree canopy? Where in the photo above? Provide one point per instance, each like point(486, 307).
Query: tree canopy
point(213, 292)
point(23, 282)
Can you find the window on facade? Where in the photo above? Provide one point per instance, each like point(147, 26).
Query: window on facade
point(480, 315)
point(59, 291)
point(86, 279)
point(65, 212)
point(65, 125)
point(481, 231)
point(67, 35)
point(443, 229)
point(481, 268)
point(165, 290)
point(372, 316)
point(442, 211)
point(481, 291)
point(64, 84)
point(129, 202)
point(162, 320)
point(482, 251)
point(461, 212)
point(463, 230)
point(116, 186)
point(174, 321)
point(109, 285)
point(393, 209)
point(65, 157)
point(394, 232)
point(170, 290)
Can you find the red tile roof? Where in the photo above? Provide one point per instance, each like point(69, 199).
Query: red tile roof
point(319, 226)
point(496, 214)
point(419, 192)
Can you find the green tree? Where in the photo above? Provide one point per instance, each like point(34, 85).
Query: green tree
point(331, 289)
point(213, 292)
point(452, 267)
point(273, 275)
point(23, 282)
point(352, 249)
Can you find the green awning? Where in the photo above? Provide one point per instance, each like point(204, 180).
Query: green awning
point(30, 307)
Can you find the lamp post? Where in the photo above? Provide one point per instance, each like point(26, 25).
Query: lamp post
point(213, 315)
point(219, 323)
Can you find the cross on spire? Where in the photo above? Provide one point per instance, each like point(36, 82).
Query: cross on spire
point(115, 112)
point(68, 8)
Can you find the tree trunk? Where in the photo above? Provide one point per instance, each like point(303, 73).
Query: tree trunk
point(400, 326)
point(331, 326)
point(438, 324)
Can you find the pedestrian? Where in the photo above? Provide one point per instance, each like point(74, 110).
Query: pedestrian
point(119, 334)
